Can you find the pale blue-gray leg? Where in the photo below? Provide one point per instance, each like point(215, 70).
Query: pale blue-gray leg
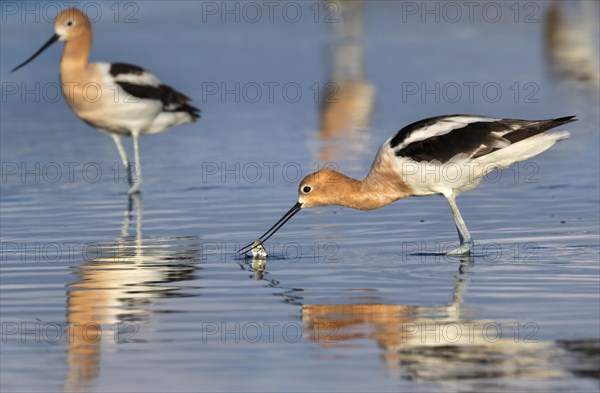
point(137, 182)
point(466, 242)
point(123, 155)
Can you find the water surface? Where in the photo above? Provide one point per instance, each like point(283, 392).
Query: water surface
point(102, 293)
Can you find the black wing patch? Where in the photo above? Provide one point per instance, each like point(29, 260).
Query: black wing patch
point(172, 100)
point(534, 127)
point(409, 129)
point(124, 68)
point(477, 139)
point(466, 140)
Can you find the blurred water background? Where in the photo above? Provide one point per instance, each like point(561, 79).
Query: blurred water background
point(102, 293)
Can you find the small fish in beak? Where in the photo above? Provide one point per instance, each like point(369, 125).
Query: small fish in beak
point(258, 250)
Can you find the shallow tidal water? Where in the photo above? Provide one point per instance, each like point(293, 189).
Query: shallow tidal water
point(104, 293)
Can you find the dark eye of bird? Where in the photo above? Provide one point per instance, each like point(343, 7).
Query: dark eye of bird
point(306, 189)
point(70, 23)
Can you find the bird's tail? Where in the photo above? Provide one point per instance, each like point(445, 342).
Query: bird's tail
point(524, 148)
point(190, 110)
point(530, 128)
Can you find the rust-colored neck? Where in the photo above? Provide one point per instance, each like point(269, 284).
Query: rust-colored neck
point(76, 53)
point(382, 190)
point(375, 191)
point(382, 186)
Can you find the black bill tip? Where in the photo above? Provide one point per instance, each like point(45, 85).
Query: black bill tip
point(51, 41)
point(295, 209)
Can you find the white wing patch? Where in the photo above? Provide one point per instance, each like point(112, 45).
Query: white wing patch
point(144, 79)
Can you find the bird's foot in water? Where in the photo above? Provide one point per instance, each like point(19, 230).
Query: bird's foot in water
point(135, 188)
point(464, 249)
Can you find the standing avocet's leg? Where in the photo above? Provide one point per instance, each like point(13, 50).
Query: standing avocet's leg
point(466, 242)
point(137, 182)
point(123, 155)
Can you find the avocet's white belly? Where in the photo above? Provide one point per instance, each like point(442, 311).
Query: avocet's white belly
point(428, 178)
point(99, 101)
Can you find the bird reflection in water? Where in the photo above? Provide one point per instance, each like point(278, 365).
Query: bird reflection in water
point(571, 34)
point(258, 266)
point(442, 344)
point(347, 99)
point(117, 289)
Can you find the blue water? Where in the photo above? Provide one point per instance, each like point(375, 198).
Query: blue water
point(102, 293)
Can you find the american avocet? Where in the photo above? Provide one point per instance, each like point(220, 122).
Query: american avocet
point(119, 99)
point(442, 155)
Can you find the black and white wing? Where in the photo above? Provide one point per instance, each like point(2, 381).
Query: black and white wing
point(139, 83)
point(441, 138)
